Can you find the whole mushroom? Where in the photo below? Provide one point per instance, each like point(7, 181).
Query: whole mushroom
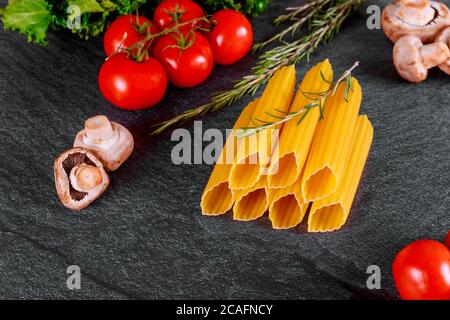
point(111, 142)
point(79, 178)
point(412, 59)
point(444, 36)
point(422, 18)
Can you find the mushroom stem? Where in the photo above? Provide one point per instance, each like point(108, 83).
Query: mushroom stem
point(99, 128)
point(434, 54)
point(85, 177)
point(100, 133)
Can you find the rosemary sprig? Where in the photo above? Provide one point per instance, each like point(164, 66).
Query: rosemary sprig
point(317, 102)
point(298, 15)
point(323, 25)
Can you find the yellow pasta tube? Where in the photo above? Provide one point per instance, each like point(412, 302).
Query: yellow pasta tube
point(330, 213)
point(217, 197)
point(287, 208)
point(331, 143)
point(295, 139)
point(253, 155)
point(251, 203)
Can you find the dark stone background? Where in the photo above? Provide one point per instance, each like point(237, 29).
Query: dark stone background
point(145, 237)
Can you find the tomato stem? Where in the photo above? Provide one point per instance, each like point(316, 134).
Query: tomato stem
point(147, 40)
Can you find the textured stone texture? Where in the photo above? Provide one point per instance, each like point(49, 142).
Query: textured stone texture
point(145, 237)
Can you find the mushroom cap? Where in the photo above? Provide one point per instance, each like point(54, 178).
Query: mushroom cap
point(444, 36)
point(421, 18)
point(407, 59)
point(111, 142)
point(64, 164)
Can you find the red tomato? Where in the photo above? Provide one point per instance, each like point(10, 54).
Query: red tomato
point(447, 240)
point(231, 36)
point(132, 85)
point(170, 12)
point(125, 31)
point(187, 58)
point(422, 271)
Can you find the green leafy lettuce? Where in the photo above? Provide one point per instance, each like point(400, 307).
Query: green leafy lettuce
point(35, 17)
point(31, 17)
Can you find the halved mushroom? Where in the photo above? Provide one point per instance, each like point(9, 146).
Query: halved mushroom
point(79, 178)
point(111, 142)
point(413, 59)
point(421, 18)
point(444, 36)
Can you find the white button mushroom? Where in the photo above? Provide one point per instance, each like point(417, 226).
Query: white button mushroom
point(412, 59)
point(111, 142)
point(79, 178)
point(444, 36)
point(422, 18)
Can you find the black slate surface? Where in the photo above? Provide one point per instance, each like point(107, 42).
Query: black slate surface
point(145, 237)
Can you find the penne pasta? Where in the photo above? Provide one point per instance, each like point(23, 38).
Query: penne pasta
point(253, 155)
point(331, 143)
point(295, 139)
point(287, 208)
point(251, 203)
point(331, 213)
point(217, 197)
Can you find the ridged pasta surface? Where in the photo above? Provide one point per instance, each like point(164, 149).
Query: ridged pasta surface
point(331, 213)
point(331, 143)
point(251, 203)
point(217, 197)
point(287, 208)
point(254, 154)
point(295, 139)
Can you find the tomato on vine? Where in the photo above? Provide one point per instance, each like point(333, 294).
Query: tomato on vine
point(171, 12)
point(186, 56)
point(421, 271)
point(231, 36)
point(130, 84)
point(127, 30)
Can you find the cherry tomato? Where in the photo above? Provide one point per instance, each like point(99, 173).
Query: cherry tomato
point(231, 36)
point(186, 57)
point(421, 271)
point(447, 240)
point(125, 31)
point(132, 85)
point(170, 12)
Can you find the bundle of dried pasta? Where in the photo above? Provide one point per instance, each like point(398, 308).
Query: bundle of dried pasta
point(217, 197)
point(318, 161)
point(254, 155)
point(330, 213)
point(295, 139)
point(331, 143)
point(287, 208)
